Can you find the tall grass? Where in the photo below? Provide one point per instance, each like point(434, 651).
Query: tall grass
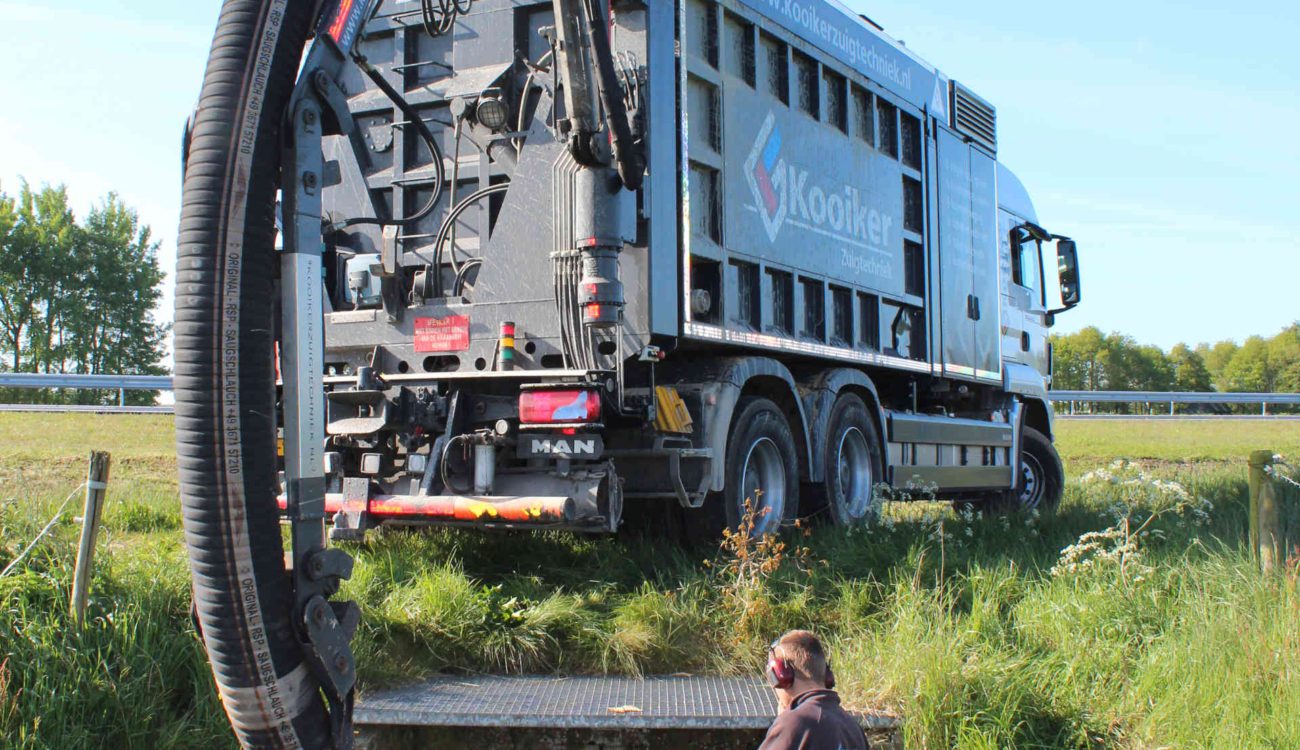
point(1153, 630)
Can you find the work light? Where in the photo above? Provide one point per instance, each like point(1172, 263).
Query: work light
point(491, 111)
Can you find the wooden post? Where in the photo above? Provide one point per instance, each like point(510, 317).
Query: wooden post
point(1265, 531)
point(96, 484)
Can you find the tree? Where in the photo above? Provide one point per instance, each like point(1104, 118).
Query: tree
point(1217, 358)
point(1190, 373)
point(1077, 359)
point(1249, 370)
point(35, 257)
point(78, 298)
point(1284, 359)
point(112, 328)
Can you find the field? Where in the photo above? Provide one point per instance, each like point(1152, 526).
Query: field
point(982, 633)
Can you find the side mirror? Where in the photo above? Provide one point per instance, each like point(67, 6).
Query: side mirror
point(1067, 261)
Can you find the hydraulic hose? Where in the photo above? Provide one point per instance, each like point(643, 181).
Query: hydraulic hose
point(225, 377)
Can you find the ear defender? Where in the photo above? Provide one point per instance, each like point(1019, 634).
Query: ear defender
point(779, 672)
point(830, 678)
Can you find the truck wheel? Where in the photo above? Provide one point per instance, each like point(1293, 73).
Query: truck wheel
point(1041, 478)
point(852, 463)
point(761, 468)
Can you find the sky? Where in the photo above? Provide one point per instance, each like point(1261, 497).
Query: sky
point(1160, 135)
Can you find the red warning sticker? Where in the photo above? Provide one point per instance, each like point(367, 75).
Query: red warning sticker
point(450, 334)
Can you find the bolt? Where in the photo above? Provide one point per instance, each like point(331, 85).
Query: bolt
point(309, 117)
point(309, 180)
point(341, 663)
point(318, 615)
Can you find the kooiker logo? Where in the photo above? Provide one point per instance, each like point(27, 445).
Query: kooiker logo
point(761, 170)
point(782, 195)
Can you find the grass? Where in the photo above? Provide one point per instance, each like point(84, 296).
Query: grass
point(959, 623)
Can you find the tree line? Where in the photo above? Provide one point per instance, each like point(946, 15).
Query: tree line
point(1090, 360)
point(77, 296)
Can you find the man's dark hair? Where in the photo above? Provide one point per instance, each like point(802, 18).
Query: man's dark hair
point(805, 653)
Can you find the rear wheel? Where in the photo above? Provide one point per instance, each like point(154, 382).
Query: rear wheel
point(852, 463)
point(762, 473)
point(762, 476)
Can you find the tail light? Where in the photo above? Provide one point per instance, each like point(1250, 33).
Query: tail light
point(547, 407)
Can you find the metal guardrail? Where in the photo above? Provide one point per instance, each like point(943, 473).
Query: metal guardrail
point(1173, 398)
point(69, 380)
point(119, 383)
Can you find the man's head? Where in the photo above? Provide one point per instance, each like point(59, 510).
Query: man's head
point(796, 664)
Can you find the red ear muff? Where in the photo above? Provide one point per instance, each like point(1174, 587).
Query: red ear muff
point(779, 672)
point(830, 678)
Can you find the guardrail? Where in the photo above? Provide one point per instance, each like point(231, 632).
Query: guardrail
point(1173, 398)
point(119, 383)
point(71, 380)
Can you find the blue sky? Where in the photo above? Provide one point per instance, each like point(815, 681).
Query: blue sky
point(1161, 135)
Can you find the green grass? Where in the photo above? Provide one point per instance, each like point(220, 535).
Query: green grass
point(957, 623)
point(1093, 440)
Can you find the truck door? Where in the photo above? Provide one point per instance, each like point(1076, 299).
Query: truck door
point(968, 260)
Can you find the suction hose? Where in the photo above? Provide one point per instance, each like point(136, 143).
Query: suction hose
point(225, 391)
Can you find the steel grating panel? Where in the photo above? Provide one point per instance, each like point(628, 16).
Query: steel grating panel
point(580, 703)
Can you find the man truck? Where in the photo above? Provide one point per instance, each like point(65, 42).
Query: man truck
point(823, 281)
point(581, 264)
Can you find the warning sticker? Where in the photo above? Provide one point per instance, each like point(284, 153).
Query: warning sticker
point(450, 334)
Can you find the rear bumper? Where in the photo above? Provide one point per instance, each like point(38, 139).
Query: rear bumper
point(586, 501)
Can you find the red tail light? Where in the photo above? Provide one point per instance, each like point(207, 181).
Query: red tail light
point(546, 407)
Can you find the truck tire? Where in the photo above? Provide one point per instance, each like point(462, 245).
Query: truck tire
point(852, 463)
point(1040, 478)
point(761, 467)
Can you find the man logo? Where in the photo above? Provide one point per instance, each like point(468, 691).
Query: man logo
point(561, 447)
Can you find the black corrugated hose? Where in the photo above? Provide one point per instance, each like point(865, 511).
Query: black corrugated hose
point(225, 407)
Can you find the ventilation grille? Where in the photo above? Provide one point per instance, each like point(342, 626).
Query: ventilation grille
point(974, 117)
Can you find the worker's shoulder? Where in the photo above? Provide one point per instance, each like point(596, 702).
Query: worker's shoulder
point(796, 718)
point(809, 715)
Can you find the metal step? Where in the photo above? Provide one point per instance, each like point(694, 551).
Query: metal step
point(487, 712)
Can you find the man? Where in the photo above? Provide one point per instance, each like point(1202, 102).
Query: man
point(810, 716)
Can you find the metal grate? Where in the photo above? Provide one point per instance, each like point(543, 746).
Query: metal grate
point(574, 702)
point(974, 117)
point(580, 703)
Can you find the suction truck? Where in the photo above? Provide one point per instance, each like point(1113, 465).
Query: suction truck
point(587, 265)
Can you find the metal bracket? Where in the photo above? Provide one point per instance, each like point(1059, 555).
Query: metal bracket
point(352, 520)
point(329, 627)
point(338, 119)
point(316, 108)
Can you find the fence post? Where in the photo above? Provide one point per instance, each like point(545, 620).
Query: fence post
point(1265, 534)
point(96, 484)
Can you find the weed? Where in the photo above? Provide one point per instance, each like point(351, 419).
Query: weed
point(135, 516)
point(8, 699)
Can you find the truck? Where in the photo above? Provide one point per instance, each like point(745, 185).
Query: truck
point(822, 282)
point(590, 265)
